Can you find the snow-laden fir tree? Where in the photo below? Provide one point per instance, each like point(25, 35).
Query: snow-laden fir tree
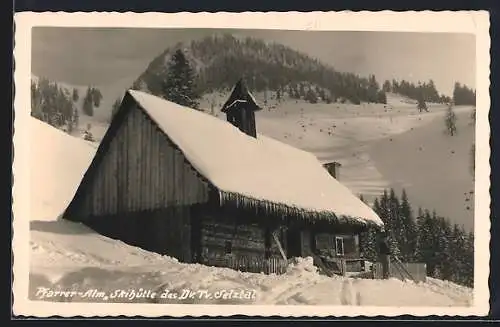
point(408, 241)
point(179, 82)
point(368, 245)
point(387, 208)
point(387, 87)
point(75, 95)
point(52, 104)
point(457, 254)
point(469, 259)
point(425, 245)
point(395, 225)
point(88, 103)
point(96, 97)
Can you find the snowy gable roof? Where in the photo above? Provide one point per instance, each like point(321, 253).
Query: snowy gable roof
point(254, 170)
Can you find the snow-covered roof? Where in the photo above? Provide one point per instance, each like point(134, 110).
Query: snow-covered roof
point(254, 170)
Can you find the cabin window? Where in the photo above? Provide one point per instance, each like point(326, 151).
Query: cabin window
point(228, 246)
point(339, 245)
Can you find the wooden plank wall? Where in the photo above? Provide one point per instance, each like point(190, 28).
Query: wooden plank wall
point(247, 241)
point(253, 264)
point(141, 171)
point(165, 231)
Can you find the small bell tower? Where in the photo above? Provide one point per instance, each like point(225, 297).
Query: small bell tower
point(240, 109)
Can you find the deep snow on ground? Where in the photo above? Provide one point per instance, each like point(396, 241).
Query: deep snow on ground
point(67, 256)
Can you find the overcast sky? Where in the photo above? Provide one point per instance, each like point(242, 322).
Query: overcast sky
point(118, 56)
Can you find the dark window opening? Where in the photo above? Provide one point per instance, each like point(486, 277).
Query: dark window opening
point(228, 247)
point(339, 245)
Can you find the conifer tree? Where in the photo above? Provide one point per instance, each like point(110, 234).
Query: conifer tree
point(376, 207)
point(96, 97)
point(387, 86)
point(179, 83)
point(457, 254)
point(88, 105)
point(408, 242)
point(75, 95)
point(368, 239)
point(381, 97)
point(469, 260)
point(425, 248)
point(76, 117)
point(368, 244)
point(394, 224)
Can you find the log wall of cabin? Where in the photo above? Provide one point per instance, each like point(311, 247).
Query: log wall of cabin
point(247, 240)
point(140, 171)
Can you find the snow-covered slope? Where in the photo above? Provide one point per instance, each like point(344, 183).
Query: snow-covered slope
point(427, 151)
point(68, 256)
point(100, 120)
point(59, 162)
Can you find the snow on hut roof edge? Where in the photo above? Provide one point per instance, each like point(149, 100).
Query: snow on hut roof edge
point(256, 169)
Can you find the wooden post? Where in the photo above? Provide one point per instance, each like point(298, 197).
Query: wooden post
point(343, 266)
point(283, 255)
point(267, 241)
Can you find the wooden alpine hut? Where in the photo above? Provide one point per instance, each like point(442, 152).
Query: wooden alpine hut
point(183, 183)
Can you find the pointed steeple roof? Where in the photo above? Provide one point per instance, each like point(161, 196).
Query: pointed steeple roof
point(241, 94)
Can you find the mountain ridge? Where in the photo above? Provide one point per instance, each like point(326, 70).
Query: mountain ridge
point(221, 60)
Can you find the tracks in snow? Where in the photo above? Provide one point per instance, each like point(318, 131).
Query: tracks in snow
point(349, 295)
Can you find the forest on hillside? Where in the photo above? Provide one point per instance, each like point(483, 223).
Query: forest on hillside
point(219, 61)
point(427, 92)
point(58, 106)
point(446, 248)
